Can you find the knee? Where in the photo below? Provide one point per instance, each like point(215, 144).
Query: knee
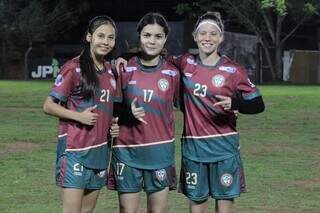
point(199, 206)
point(127, 209)
point(87, 210)
point(158, 209)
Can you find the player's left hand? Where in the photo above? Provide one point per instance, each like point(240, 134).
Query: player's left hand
point(225, 102)
point(114, 129)
point(120, 64)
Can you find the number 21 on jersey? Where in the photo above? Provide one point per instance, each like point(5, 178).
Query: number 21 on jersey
point(104, 95)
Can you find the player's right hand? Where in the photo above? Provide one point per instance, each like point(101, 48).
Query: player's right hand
point(114, 129)
point(138, 112)
point(88, 117)
point(121, 64)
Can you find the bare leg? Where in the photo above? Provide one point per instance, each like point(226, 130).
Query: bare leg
point(89, 200)
point(198, 207)
point(71, 200)
point(225, 206)
point(129, 202)
point(157, 202)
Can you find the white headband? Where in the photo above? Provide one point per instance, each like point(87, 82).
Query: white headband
point(208, 22)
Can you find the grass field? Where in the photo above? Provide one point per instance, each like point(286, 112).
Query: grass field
point(280, 150)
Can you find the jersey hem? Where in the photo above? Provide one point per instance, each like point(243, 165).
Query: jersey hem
point(77, 187)
point(209, 160)
point(138, 166)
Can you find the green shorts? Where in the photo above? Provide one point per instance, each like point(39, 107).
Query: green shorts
point(126, 179)
point(220, 180)
point(72, 174)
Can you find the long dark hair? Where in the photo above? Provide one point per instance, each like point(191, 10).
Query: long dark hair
point(89, 79)
point(153, 18)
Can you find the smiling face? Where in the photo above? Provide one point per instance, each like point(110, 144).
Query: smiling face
point(102, 40)
point(152, 39)
point(208, 37)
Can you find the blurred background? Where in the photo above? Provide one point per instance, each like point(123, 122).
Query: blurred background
point(277, 41)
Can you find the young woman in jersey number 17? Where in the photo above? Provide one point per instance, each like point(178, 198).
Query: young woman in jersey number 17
point(143, 155)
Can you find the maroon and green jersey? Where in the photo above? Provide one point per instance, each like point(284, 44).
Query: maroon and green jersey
point(210, 133)
point(87, 143)
point(149, 146)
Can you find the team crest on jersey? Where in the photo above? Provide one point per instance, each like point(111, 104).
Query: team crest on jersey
point(59, 80)
point(113, 83)
point(226, 179)
point(218, 80)
point(101, 174)
point(131, 69)
point(191, 61)
point(161, 174)
point(163, 84)
point(169, 72)
point(228, 69)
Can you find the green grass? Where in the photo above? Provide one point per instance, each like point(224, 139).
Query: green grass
point(280, 150)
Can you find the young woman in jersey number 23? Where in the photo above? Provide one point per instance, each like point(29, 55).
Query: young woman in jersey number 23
point(214, 87)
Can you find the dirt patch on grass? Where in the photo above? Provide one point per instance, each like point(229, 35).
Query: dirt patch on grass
point(305, 183)
point(18, 109)
point(281, 209)
point(20, 147)
point(271, 146)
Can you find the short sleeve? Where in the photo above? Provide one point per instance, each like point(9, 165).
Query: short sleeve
point(244, 85)
point(63, 84)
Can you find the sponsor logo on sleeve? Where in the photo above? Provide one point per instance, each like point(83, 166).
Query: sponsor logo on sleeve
point(191, 61)
point(132, 82)
point(228, 69)
point(163, 85)
point(131, 69)
point(188, 74)
point(169, 72)
point(59, 80)
point(218, 80)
